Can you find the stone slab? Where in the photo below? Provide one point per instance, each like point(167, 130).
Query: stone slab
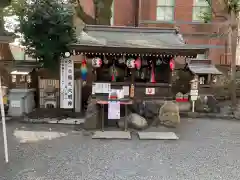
point(111, 135)
point(157, 136)
point(71, 121)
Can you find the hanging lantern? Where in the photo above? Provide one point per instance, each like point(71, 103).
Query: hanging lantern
point(121, 60)
point(171, 64)
point(105, 60)
point(96, 62)
point(114, 73)
point(138, 63)
point(131, 63)
point(158, 62)
point(84, 70)
point(152, 80)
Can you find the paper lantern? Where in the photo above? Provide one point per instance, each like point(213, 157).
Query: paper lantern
point(131, 63)
point(152, 79)
point(158, 62)
point(114, 73)
point(84, 70)
point(96, 62)
point(138, 63)
point(171, 64)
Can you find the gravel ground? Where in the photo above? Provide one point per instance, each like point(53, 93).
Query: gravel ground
point(207, 150)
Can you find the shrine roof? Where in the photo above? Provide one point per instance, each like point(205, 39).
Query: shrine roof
point(134, 40)
point(203, 66)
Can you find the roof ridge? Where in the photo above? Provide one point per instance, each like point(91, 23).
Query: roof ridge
point(129, 29)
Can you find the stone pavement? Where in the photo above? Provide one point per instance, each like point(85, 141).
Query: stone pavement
point(77, 121)
point(206, 150)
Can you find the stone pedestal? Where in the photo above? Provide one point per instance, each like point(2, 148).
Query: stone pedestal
point(21, 101)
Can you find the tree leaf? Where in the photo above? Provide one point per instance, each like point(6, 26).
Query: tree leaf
point(48, 30)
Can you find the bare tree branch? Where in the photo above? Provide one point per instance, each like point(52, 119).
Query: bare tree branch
point(103, 12)
point(214, 11)
point(82, 14)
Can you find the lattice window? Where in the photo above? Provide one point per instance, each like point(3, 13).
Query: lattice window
point(165, 10)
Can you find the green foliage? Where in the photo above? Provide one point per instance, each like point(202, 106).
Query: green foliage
point(16, 7)
point(233, 5)
point(47, 28)
point(3, 4)
point(206, 15)
point(229, 6)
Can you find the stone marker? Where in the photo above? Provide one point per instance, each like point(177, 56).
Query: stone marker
point(169, 114)
point(92, 116)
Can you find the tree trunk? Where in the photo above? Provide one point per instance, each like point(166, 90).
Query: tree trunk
point(233, 35)
point(5, 52)
point(103, 12)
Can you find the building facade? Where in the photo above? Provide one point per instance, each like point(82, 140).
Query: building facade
point(184, 15)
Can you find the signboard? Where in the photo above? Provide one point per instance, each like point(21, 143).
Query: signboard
point(194, 92)
point(15, 104)
point(103, 88)
point(114, 110)
point(93, 89)
point(126, 90)
point(67, 83)
point(194, 98)
point(150, 91)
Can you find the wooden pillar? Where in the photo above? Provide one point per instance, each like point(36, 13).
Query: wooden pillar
point(78, 95)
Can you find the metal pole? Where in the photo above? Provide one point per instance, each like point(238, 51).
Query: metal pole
point(3, 124)
point(193, 106)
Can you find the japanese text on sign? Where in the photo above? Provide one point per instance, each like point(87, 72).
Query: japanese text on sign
point(67, 84)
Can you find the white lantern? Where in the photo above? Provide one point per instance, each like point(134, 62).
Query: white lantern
point(67, 54)
point(131, 63)
point(96, 62)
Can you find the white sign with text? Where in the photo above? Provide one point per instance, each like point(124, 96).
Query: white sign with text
point(67, 83)
point(150, 91)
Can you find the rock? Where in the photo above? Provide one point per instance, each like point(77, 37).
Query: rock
point(151, 108)
point(200, 106)
point(92, 115)
point(237, 112)
point(137, 121)
point(120, 123)
point(137, 107)
point(169, 114)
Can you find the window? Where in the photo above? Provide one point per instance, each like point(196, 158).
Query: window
point(200, 7)
point(165, 10)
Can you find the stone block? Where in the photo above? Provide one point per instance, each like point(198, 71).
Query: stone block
point(169, 114)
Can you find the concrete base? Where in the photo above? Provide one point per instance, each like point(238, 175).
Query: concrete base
point(111, 135)
point(157, 135)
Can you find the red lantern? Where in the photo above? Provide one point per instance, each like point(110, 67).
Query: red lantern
point(171, 64)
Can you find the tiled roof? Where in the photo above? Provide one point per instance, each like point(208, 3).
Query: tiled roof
point(132, 37)
point(203, 67)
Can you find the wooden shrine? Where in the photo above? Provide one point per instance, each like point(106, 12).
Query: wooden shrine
point(135, 63)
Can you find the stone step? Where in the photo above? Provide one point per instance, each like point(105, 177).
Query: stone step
point(111, 135)
point(157, 136)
